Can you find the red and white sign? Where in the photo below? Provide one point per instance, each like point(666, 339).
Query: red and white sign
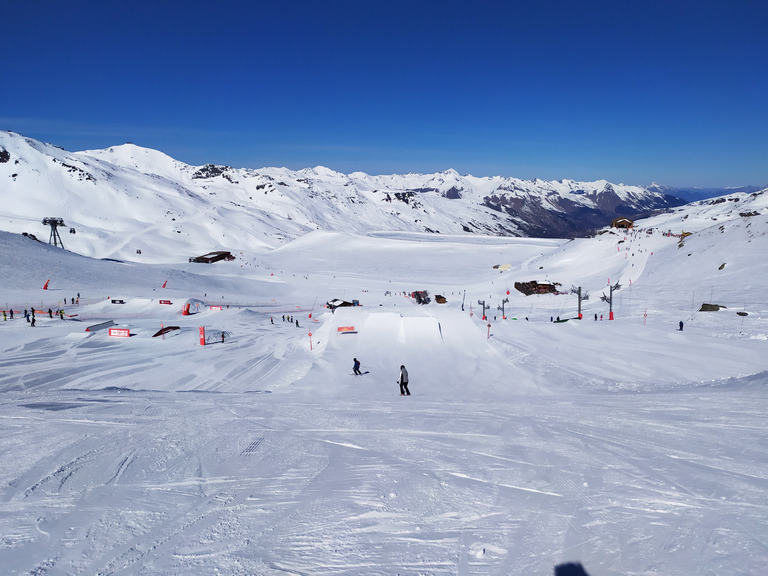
point(345, 329)
point(165, 302)
point(120, 332)
point(215, 307)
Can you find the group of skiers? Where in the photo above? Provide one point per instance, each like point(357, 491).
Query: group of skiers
point(402, 377)
point(29, 315)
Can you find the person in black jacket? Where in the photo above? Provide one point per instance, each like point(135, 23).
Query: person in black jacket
point(404, 382)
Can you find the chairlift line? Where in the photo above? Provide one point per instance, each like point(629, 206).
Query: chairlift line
point(54, 223)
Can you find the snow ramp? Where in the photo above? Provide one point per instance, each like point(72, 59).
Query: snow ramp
point(438, 348)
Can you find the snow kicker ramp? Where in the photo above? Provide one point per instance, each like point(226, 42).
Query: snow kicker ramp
point(438, 346)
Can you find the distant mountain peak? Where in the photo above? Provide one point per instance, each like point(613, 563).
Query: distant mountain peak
point(131, 187)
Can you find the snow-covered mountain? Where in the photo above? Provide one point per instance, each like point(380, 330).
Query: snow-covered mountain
point(531, 438)
point(692, 194)
point(628, 445)
point(168, 205)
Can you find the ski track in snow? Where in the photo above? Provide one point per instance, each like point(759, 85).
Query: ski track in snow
point(628, 446)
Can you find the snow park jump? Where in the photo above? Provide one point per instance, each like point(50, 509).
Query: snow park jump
point(628, 445)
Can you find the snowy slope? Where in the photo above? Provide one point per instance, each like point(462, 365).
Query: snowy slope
point(627, 445)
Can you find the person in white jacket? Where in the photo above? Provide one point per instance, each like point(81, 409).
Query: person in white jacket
point(403, 380)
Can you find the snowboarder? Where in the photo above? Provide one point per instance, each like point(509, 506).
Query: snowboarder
point(356, 367)
point(681, 325)
point(50, 313)
point(403, 380)
point(222, 337)
point(297, 323)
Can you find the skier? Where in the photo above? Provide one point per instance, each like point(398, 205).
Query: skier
point(403, 380)
point(681, 325)
point(356, 367)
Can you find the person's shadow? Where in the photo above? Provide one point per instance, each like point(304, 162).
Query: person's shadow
point(570, 569)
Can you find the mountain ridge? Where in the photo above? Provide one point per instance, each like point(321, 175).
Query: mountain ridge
point(265, 207)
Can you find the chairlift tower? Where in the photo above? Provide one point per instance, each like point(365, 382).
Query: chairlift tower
point(54, 223)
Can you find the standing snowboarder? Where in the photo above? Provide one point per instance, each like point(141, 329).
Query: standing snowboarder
point(403, 380)
point(356, 367)
point(681, 325)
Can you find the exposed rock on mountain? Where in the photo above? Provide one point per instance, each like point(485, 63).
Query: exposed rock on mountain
point(243, 208)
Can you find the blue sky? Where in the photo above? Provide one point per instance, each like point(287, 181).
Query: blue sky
point(674, 92)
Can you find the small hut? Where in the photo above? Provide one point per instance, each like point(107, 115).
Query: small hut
point(625, 223)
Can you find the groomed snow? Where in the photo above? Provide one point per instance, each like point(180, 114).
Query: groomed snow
point(627, 445)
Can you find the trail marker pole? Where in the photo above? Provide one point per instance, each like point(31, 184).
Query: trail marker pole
point(202, 335)
point(489, 331)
